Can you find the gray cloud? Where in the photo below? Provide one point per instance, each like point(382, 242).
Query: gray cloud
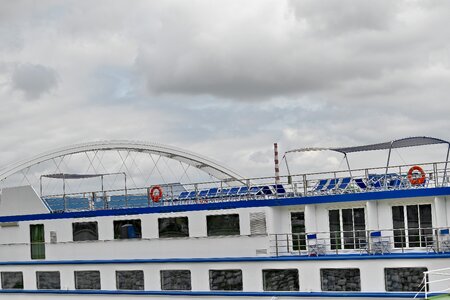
point(224, 79)
point(34, 80)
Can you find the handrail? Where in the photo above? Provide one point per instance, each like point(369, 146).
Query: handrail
point(304, 185)
point(393, 240)
point(426, 281)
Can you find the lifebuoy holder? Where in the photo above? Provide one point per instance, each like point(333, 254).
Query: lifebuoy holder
point(412, 175)
point(156, 193)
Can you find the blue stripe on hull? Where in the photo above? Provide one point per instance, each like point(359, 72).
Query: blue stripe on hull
point(221, 294)
point(233, 259)
point(367, 196)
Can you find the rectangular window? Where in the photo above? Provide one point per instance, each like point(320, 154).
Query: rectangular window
point(173, 227)
point(340, 280)
point(48, 280)
point(412, 225)
point(85, 231)
point(347, 228)
point(223, 225)
point(298, 230)
point(178, 280)
point(130, 280)
point(403, 279)
point(398, 220)
point(87, 280)
point(127, 229)
point(37, 241)
point(225, 280)
point(12, 280)
point(281, 280)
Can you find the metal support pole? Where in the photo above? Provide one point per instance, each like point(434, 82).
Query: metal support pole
point(387, 166)
point(64, 194)
point(276, 245)
point(126, 192)
point(40, 186)
point(444, 181)
point(305, 186)
point(348, 165)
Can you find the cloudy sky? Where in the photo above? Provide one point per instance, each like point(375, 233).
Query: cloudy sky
point(222, 78)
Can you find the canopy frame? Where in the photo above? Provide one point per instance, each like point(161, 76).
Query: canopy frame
point(395, 144)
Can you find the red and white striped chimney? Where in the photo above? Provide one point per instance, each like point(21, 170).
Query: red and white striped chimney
point(277, 165)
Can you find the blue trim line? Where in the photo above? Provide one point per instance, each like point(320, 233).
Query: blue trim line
point(396, 256)
point(367, 196)
point(221, 293)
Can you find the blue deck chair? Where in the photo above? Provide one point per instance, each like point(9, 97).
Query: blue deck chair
point(182, 196)
point(360, 183)
point(395, 183)
point(344, 184)
point(332, 184)
point(192, 195)
point(223, 192)
point(376, 181)
point(212, 193)
point(254, 190)
point(243, 190)
point(320, 186)
point(279, 189)
point(202, 194)
point(233, 191)
point(266, 190)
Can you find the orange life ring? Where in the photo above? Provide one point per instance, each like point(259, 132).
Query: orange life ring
point(412, 179)
point(156, 196)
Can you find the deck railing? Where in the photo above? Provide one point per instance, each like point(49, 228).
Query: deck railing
point(440, 277)
point(386, 241)
point(303, 185)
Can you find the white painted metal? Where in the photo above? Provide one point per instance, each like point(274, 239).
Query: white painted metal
point(196, 160)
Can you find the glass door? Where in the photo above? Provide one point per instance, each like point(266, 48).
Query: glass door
point(37, 241)
point(298, 231)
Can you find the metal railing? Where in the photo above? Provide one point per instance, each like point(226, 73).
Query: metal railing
point(303, 185)
point(429, 240)
point(438, 276)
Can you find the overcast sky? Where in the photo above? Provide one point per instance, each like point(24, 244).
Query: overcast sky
point(222, 78)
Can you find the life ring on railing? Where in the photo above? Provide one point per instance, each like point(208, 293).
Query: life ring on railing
point(156, 193)
point(416, 180)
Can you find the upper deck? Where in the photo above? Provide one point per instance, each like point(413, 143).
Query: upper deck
point(312, 185)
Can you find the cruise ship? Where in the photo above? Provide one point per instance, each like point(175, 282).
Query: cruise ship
point(73, 228)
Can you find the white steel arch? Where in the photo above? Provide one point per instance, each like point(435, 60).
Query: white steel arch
point(196, 160)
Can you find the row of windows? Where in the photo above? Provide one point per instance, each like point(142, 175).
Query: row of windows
point(168, 227)
point(217, 225)
point(396, 279)
point(411, 223)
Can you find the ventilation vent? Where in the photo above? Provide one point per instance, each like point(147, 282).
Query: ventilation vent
point(53, 238)
point(261, 251)
point(258, 223)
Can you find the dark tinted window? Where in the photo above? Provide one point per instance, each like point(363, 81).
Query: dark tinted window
point(225, 280)
point(12, 280)
point(37, 241)
point(176, 280)
point(403, 279)
point(127, 229)
point(87, 280)
point(298, 230)
point(173, 227)
point(85, 231)
point(281, 280)
point(130, 280)
point(223, 225)
point(340, 279)
point(48, 280)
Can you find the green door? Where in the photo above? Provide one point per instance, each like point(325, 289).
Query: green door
point(37, 241)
